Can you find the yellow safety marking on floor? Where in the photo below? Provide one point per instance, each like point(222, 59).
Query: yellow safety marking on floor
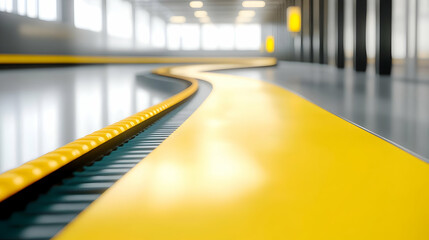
point(23, 176)
point(256, 161)
point(70, 59)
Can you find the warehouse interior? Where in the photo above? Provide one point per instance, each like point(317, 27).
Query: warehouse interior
point(215, 119)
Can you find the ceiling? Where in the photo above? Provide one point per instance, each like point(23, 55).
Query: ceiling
point(219, 11)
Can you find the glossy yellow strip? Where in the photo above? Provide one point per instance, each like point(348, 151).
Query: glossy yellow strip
point(17, 179)
point(256, 161)
point(69, 59)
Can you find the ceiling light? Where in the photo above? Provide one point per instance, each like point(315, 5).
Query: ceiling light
point(241, 19)
point(246, 13)
point(253, 4)
point(200, 14)
point(205, 20)
point(196, 4)
point(177, 19)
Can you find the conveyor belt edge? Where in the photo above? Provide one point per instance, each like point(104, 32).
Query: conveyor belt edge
point(15, 180)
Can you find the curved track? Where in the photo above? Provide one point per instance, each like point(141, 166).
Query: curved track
point(256, 161)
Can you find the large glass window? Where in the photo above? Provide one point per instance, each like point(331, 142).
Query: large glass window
point(87, 14)
point(423, 33)
point(399, 36)
point(190, 36)
point(119, 20)
point(210, 37)
point(158, 32)
point(22, 7)
point(43, 9)
point(226, 36)
point(174, 36)
point(48, 10)
point(142, 28)
point(248, 36)
point(32, 8)
point(6, 5)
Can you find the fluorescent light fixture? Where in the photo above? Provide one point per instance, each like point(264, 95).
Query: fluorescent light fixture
point(241, 19)
point(196, 4)
point(253, 4)
point(246, 13)
point(205, 20)
point(177, 19)
point(200, 14)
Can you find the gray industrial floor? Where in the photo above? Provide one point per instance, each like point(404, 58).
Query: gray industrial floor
point(43, 109)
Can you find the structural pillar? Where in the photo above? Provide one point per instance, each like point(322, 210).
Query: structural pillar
point(359, 48)
point(323, 31)
point(307, 30)
point(411, 20)
point(104, 23)
point(316, 31)
point(339, 22)
point(384, 37)
point(67, 11)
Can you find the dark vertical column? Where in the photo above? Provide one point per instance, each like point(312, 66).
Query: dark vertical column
point(307, 30)
point(359, 56)
point(339, 22)
point(322, 31)
point(316, 31)
point(311, 28)
point(384, 37)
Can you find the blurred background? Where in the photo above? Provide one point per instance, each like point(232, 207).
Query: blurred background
point(203, 28)
point(363, 60)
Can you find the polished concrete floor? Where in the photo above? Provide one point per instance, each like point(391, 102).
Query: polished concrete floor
point(43, 109)
point(395, 108)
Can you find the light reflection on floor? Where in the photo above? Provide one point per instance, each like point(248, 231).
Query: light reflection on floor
point(43, 109)
point(396, 108)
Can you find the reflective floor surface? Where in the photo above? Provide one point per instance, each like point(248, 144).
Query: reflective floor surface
point(43, 109)
point(396, 108)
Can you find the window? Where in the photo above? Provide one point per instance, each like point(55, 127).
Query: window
point(43, 9)
point(399, 36)
point(158, 33)
point(210, 37)
point(32, 8)
point(174, 36)
point(422, 33)
point(48, 10)
point(119, 21)
point(22, 7)
point(6, 5)
point(190, 36)
point(226, 36)
point(87, 14)
point(248, 37)
point(142, 28)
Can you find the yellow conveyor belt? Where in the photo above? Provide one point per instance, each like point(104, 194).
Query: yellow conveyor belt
point(256, 161)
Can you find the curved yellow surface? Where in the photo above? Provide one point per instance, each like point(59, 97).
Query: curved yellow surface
point(17, 179)
point(258, 162)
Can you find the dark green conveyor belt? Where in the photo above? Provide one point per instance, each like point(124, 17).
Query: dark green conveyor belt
point(53, 210)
